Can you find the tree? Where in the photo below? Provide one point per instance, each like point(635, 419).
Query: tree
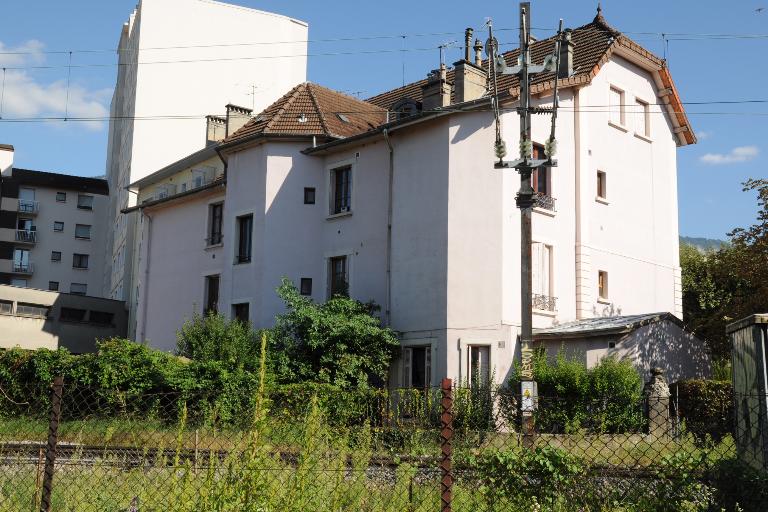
point(338, 342)
point(731, 283)
point(214, 338)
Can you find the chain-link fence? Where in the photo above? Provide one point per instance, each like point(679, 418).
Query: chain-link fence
point(89, 449)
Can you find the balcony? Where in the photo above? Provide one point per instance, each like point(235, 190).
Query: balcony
point(544, 303)
point(545, 202)
point(26, 236)
point(22, 268)
point(28, 207)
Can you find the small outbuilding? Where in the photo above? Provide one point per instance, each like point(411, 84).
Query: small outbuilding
point(649, 340)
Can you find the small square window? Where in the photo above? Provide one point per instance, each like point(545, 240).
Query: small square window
point(78, 289)
point(53, 286)
point(612, 344)
point(61, 197)
point(309, 195)
point(58, 226)
point(55, 255)
point(84, 202)
point(602, 284)
point(601, 185)
point(240, 312)
point(306, 286)
point(79, 260)
point(83, 231)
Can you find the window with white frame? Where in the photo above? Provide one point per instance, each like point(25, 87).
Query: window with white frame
point(479, 365)
point(642, 118)
point(616, 106)
point(341, 190)
point(543, 295)
point(417, 366)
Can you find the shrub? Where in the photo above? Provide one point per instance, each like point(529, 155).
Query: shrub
point(338, 342)
point(738, 486)
point(706, 407)
point(214, 338)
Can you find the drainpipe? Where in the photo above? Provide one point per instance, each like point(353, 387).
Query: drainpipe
point(577, 172)
point(388, 305)
point(145, 291)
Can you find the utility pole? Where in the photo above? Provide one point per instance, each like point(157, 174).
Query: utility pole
point(526, 196)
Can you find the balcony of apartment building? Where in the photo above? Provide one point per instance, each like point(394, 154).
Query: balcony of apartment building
point(26, 236)
point(22, 268)
point(28, 207)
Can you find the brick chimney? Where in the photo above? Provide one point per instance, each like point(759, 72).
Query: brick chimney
point(437, 91)
point(470, 79)
point(236, 118)
point(566, 55)
point(215, 129)
point(6, 159)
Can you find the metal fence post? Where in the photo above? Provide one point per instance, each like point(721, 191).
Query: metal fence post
point(446, 446)
point(53, 437)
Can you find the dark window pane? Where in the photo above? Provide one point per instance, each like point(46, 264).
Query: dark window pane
point(306, 286)
point(80, 260)
point(338, 272)
point(214, 234)
point(342, 189)
point(309, 195)
point(211, 294)
point(245, 232)
point(418, 367)
point(61, 197)
point(100, 318)
point(72, 315)
point(53, 286)
point(241, 312)
point(55, 256)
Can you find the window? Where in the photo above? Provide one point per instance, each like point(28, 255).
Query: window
point(309, 195)
point(53, 286)
point(612, 344)
point(616, 106)
point(79, 260)
point(35, 310)
point(240, 312)
point(84, 202)
point(100, 317)
point(55, 255)
point(479, 371)
point(78, 289)
point(306, 286)
point(602, 285)
point(244, 235)
point(83, 231)
point(601, 185)
point(215, 217)
point(21, 261)
point(27, 202)
point(61, 197)
point(417, 367)
point(642, 118)
point(338, 282)
point(211, 294)
point(58, 226)
point(540, 176)
point(341, 189)
point(21, 283)
point(72, 315)
point(542, 267)
point(6, 307)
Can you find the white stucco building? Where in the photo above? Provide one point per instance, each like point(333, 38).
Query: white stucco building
point(180, 60)
point(396, 200)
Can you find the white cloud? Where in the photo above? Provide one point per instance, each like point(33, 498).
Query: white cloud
point(736, 155)
point(703, 135)
point(25, 96)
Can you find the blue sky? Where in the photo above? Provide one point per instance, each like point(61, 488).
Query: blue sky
point(732, 137)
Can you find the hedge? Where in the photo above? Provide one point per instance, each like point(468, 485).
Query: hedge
point(706, 406)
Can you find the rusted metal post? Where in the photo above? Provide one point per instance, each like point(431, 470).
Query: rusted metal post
point(446, 447)
point(53, 438)
point(38, 480)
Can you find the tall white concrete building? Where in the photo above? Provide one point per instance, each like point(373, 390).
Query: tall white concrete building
point(180, 60)
point(395, 199)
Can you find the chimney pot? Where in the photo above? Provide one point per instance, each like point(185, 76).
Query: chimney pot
point(236, 118)
point(215, 129)
point(566, 55)
point(437, 91)
point(478, 53)
point(468, 44)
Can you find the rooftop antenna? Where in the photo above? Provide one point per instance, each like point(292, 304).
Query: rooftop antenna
point(442, 48)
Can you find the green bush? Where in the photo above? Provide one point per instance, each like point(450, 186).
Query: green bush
point(705, 406)
point(605, 398)
point(338, 342)
point(738, 486)
point(214, 338)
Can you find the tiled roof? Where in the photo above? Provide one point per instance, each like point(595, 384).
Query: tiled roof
point(604, 325)
point(310, 109)
point(593, 44)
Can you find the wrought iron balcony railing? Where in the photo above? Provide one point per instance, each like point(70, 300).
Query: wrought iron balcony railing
point(545, 202)
point(544, 302)
point(22, 268)
point(27, 236)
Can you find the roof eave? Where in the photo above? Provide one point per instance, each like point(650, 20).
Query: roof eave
point(179, 165)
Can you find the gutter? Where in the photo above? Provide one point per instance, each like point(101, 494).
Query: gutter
point(212, 185)
point(390, 187)
point(145, 296)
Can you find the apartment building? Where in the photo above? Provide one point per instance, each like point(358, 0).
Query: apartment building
point(395, 199)
point(52, 230)
point(210, 54)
